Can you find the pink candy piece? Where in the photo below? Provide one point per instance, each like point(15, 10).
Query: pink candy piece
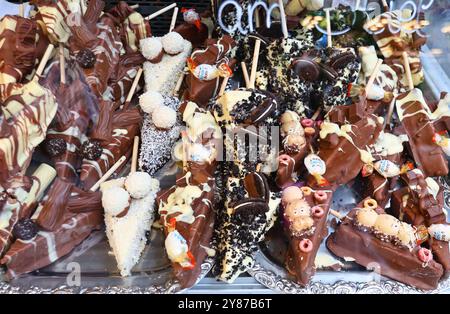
point(317, 211)
point(284, 158)
point(307, 123)
point(290, 194)
point(320, 196)
point(425, 255)
point(306, 245)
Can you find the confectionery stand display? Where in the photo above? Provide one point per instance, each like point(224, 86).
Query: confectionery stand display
point(287, 146)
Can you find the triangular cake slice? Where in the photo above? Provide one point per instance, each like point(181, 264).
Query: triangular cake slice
point(380, 241)
point(305, 221)
point(129, 217)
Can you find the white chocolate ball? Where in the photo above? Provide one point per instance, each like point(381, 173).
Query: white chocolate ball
point(115, 200)
point(173, 43)
point(151, 47)
point(138, 184)
point(151, 100)
point(387, 224)
point(366, 217)
point(164, 117)
point(292, 127)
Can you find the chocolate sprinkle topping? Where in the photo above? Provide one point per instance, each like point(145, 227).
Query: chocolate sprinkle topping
point(91, 150)
point(86, 58)
point(55, 146)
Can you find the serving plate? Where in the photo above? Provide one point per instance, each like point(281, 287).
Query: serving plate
point(91, 268)
point(352, 278)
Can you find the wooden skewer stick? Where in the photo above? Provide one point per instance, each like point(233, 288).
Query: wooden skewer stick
point(373, 76)
point(159, 12)
point(134, 156)
point(389, 113)
point(316, 114)
point(184, 145)
point(134, 6)
point(108, 174)
point(329, 41)
point(21, 9)
point(224, 85)
point(385, 5)
point(62, 64)
point(179, 83)
point(336, 214)
point(174, 19)
point(283, 19)
point(408, 70)
point(257, 19)
point(245, 72)
point(133, 88)
point(44, 60)
point(255, 63)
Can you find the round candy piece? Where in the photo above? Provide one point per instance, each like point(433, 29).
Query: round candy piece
point(306, 245)
point(297, 208)
point(306, 68)
point(150, 100)
point(173, 43)
point(138, 184)
point(115, 200)
point(387, 224)
point(164, 117)
point(425, 255)
point(366, 217)
point(151, 47)
point(290, 194)
point(86, 58)
point(25, 229)
point(91, 150)
point(55, 146)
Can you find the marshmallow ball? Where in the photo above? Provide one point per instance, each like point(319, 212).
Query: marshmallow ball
point(151, 100)
point(164, 117)
point(296, 140)
point(290, 194)
point(115, 200)
point(366, 217)
point(138, 184)
point(173, 43)
point(387, 224)
point(151, 47)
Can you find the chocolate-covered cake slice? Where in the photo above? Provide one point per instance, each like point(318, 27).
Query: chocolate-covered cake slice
point(66, 217)
point(111, 139)
point(305, 221)
point(345, 148)
point(157, 142)
point(377, 240)
point(188, 218)
point(421, 203)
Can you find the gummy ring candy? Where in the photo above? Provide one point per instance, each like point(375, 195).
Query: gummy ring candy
point(317, 211)
point(370, 203)
point(306, 245)
point(320, 196)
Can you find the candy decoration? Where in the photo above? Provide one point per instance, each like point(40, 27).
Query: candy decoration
point(440, 232)
point(177, 247)
point(306, 245)
point(443, 142)
point(316, 167)
point(370, 203)
point(425, 255)
point(307, 123)
point(386, 168)
point(421, 234)
point(192, 17)
point(320, 196)
point(367, 170)
point(207, 72)
point(290, 194)
point(306, 190)
point(317, 212)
